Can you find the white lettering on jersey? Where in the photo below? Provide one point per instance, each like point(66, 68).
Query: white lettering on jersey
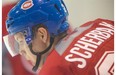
point(82, 60)
point(106, 25)
point(106, 62)
point(89, 43)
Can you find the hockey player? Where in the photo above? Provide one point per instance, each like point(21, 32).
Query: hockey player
point(38, 30)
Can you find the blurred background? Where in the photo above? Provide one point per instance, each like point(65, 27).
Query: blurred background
point(80, 12)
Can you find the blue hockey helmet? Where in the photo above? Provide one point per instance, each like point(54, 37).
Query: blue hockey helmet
point(28, 13)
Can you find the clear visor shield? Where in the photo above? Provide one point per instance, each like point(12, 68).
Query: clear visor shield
point(11, 45)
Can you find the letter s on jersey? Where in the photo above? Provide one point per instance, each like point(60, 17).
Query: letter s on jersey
point(81, 60)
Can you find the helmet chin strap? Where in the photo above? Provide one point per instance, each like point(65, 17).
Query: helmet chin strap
point(39, 54)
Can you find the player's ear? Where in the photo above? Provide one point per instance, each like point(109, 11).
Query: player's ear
point(43, 34)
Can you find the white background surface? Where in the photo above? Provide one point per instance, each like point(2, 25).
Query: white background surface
point(82, 11)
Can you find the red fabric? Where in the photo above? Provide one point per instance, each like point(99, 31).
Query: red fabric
point(57, 64)
point(17, 66)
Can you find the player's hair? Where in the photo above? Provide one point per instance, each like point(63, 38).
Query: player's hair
point(35, 28)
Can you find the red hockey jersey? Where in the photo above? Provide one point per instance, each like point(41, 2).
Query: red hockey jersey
point(88, 50)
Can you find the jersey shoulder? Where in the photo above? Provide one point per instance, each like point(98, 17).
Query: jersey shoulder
point(97, 21)
point(88, 46)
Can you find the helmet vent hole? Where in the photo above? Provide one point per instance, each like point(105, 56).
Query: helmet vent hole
point(8, 25)
point(57, 8)
point(10, 18)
